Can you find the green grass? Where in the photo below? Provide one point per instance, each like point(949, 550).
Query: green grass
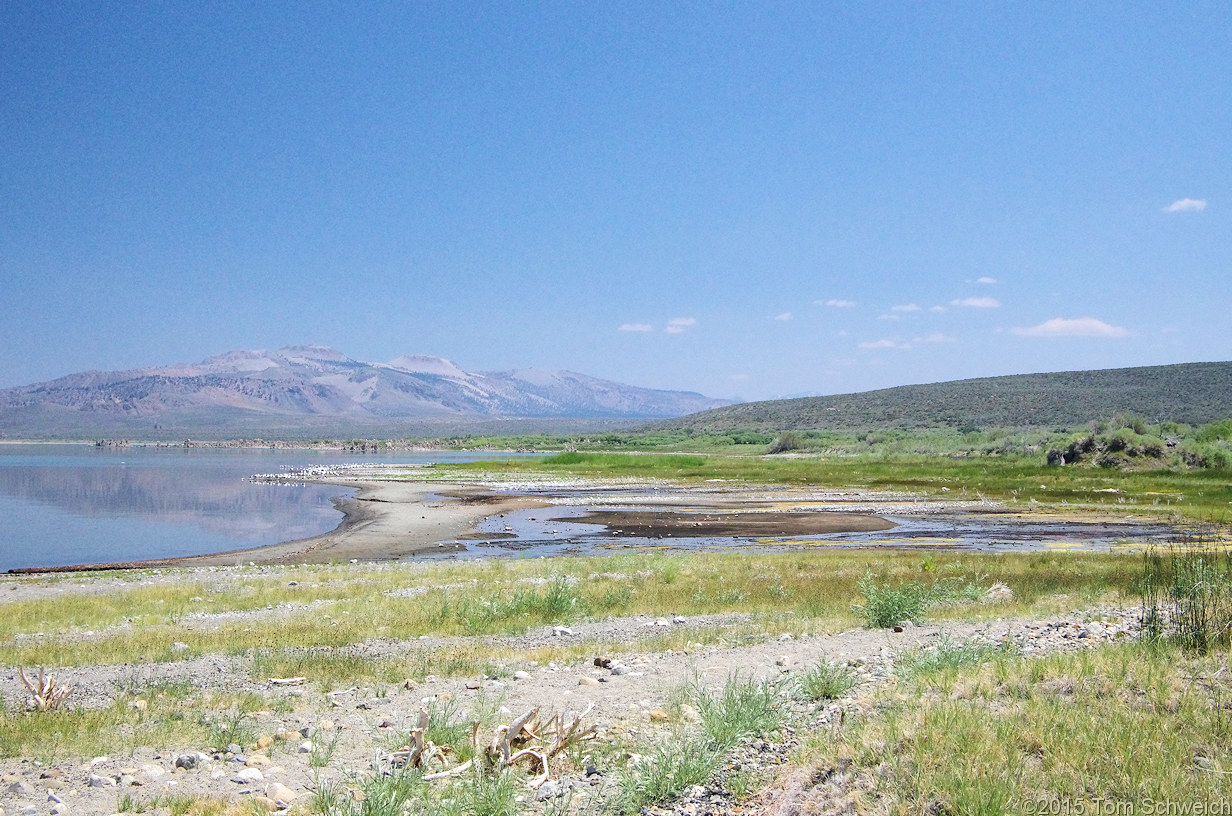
point(1026, 481)
point(886, 605)
point(826, 681)
point(817, 588)
point(1126, 723)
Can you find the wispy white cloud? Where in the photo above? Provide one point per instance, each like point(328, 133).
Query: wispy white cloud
point(679, 325)
point(987, 281)
point(836, 303)
point(977, 303)
point(1072, 327)
point(1186, 205)
point(783, 316)
point(938, 309)
point(905, 307)
point(636, 327)
point(935, 337)
point(884, 343)
point(887, 316)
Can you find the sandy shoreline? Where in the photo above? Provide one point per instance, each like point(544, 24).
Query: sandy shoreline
point(383, 521)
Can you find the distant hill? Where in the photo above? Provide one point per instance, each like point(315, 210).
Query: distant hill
point(315, 389)
point(1192, 393)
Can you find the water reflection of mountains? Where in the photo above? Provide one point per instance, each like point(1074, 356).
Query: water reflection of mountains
point(212, 501)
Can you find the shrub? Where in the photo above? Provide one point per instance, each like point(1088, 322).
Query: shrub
point(826, 681)
point(886, 606)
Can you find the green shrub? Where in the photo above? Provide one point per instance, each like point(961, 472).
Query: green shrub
point(826, 681)
point(886, 606)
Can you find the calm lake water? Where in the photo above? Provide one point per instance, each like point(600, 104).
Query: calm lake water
point(77, 504)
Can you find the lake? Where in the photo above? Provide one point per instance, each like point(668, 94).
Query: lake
point(78, 504)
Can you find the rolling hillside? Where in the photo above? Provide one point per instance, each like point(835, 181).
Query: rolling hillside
point(1191, 393)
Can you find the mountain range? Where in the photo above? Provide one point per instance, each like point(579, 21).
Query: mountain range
point(317, 386)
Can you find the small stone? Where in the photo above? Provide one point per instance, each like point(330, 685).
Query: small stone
point(690, 714)
point(473, 684)
point(680, 619)
point(326, 725)
point(783, 660)
point(659, 715)
point(662, 622)
point(619, 668)
point(264, 742)
point(59, 809)
point(234, 749)
point(587, 681)
point(264, 804)
point(138, 705)
point(521, 675)
point(97, 781)
point(248, 776)
point(29, 810)
point(258, 761)
point(189, 762)
point(549, 790)
point(784, 636)
point(153, 772)
point(179, 647)
point(305, 747)
point(280, 793)
point(129, 781)
point(409, 684)
point(561, 631)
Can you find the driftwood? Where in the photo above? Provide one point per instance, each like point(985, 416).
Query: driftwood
point(525, 738)
point(47, 694)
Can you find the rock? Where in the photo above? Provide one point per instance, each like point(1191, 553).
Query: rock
point(690, 714)
point(587, 681)
point(680, 619)
point(550, 790)
point(248, 776)
point(473, 684)
point(264, 804)
point(659, 715)
point(97, 781)
point(59, 809)
point(783, 660)
point(191, 762)
point(258, 761)
point(561, 631)
point(264, 742)
point(326, 725)
point(153, 772)
point(521, 675)
point(305, 747)
point(179, 647)
point(29, 810)
point(280, 793)
point(234, 749)
point(409, 684)
point(784, 636)
point(129, 781)
point(619, 668)
point(694, 792)
point(662, 622)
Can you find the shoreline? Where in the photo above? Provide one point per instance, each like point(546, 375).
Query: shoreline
point(383, 521)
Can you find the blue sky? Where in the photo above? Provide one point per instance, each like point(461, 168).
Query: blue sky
point(743, 199)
